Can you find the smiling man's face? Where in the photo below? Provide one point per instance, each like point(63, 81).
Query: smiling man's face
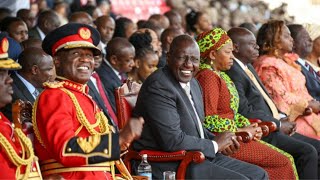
point(75, 64)
point(184, 60)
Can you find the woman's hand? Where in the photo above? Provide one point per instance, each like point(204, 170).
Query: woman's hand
point(254, 129)
point(314, 105)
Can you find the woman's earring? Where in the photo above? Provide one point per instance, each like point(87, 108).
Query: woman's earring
point(211, 62)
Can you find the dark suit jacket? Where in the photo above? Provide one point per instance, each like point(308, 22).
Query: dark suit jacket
point(34, 33)
point(110, 81)
point(312, 83)
point(20, 91)
point(252, 103)
point(93, 92)
point(162, 60)
point(170, 122)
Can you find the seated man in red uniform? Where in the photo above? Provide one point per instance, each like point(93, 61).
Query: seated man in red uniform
point(16, 152)
point(73, 137)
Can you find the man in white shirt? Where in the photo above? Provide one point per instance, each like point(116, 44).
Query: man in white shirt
point(47, 22)
point(105, 26)
point(170, 101)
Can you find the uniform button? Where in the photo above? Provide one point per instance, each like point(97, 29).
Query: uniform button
point(105, 151)
point(13, 140)
point(34, 169)
point(69, 149)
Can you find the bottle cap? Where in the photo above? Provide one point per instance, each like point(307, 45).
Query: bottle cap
point(144, 155)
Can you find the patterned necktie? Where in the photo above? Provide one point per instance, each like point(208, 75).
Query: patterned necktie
point(123, 77)
point(312, 71)
point(105, 98)
point(270, 103)
point(35, 93)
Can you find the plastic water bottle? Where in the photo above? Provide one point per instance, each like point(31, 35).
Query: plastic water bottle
point(144, 168)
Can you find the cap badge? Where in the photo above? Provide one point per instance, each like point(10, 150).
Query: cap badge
point(84, 33)
point(4, 45)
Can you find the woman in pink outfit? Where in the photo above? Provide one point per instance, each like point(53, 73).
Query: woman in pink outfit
point(283, 79)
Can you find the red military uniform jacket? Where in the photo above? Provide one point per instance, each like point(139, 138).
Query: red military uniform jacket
point(73, 138)
point(9, 138)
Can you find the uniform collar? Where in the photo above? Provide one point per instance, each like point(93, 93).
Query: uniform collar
point(82, 88)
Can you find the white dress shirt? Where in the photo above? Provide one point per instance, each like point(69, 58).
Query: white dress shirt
point(183, 85)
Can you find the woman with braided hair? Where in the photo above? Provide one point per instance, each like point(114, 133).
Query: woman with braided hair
point(221, 102)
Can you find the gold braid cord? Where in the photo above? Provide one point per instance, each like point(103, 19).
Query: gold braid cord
point(18, 161)
point(34, 122)
point(102, 120)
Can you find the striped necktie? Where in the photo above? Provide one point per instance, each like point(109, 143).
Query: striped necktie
point(270, 103)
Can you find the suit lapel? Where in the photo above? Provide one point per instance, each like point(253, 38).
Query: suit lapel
point(112, 74)
point(22, 88)
point(197, 100)
point(307, 73)
point(185, 98)
point(94, 93)
point(97, 98)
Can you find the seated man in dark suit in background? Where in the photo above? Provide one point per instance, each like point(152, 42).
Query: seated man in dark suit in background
point(303, 46)
point(170, 101)
point(253, 104)
point(98, 92)
point(37, 68)
point(119, 61)
point(47, 21)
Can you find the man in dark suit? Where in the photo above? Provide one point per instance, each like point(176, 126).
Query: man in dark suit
point(303, 47)
point(37, 68)
point(254, 105)
point(119, 61)
point(98, 92)
point(170, 101)
point(47, 21)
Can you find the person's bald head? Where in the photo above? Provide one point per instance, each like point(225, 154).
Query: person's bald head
point(168, 35)
point(245, 46)
point(81, 17)
point(237, 34)
point(27, 16)
point(105, 25)
point(160, 19)
point(48, 21)
point(37, 66)
point(183, 58)
point(31, 42)
point(250, 26)
point(120, 54)
point(175, 19)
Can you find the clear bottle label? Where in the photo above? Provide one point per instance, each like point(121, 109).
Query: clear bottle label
point(149, 175)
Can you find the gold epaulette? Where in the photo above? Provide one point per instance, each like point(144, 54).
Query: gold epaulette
point(53, 85)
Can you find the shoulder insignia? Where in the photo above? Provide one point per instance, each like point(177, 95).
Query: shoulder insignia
point(52, 85)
